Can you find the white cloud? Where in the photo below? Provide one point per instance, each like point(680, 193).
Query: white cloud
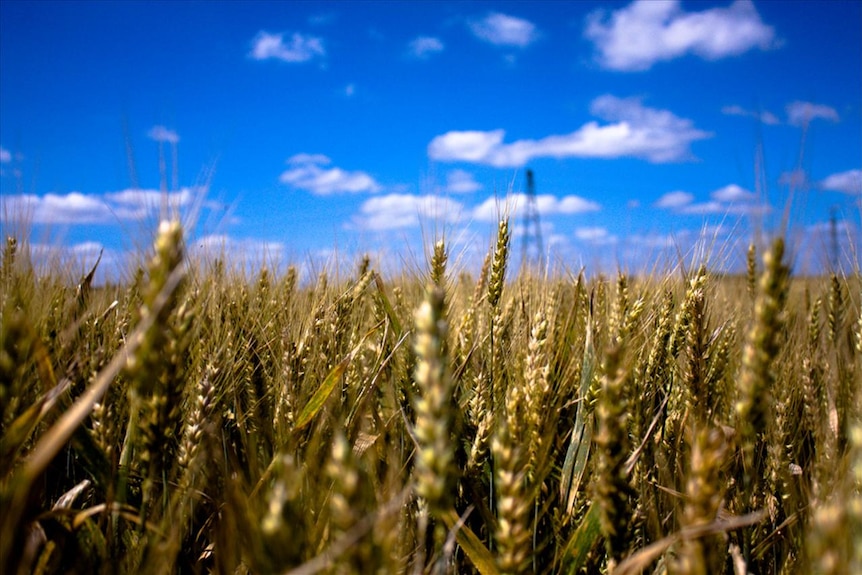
point(466, 146)
point(78, 208)
point(425, 46)
point(135, 204)
point(716, 207)
point(675, 199)
point(733, 193)
point(637, 131)
point(461, 182)
point(765, 117)
point(307, 172)
point(5, 156)
point(43, 209)
point(504, 30)
point(242, 249)
point(730, 199)
point(350, 90)
point(300, 159)
point(392, 211)
point(591, 234)
point(649, 31)
point(547, 205)
point(162, 134)
point(801, 113)
point(299, 48)
point(849, 182)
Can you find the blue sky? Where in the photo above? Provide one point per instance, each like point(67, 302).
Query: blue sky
point(314, 132)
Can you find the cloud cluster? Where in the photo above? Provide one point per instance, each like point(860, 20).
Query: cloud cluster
point(649, 31)
point(78, 208)
point(635, 131)
point(504, 30)
point(5, 156)
point(730, 199)
point(309, 172)
point(394, 211)
point(298, 48)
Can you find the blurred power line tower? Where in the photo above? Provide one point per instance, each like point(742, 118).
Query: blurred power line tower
point(532, 252)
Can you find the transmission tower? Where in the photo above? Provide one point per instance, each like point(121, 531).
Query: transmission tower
point(532, 251)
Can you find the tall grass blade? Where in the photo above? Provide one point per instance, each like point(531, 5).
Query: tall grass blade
point(583, 542)
point(317, 401)
point(575, 464)
point(476, 551)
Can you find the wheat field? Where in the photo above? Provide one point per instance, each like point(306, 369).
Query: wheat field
point(196, 420)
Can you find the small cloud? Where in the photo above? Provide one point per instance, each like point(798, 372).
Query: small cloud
point(645, 32)
point(802, 113)
point(299, 48)
point(307, 172)
point(733, 193)
point(730, 199)
point(423, 47)
point(767, 118)
point(675, 199)
point(849, 182)
point(350, 90)
point(546, 204)
point(503, 30)
point(162, 134)
point(636, 131)
point(591, 234)
point(461, 182)
point(5, 156)
point(300, 159)
point(393, 211)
